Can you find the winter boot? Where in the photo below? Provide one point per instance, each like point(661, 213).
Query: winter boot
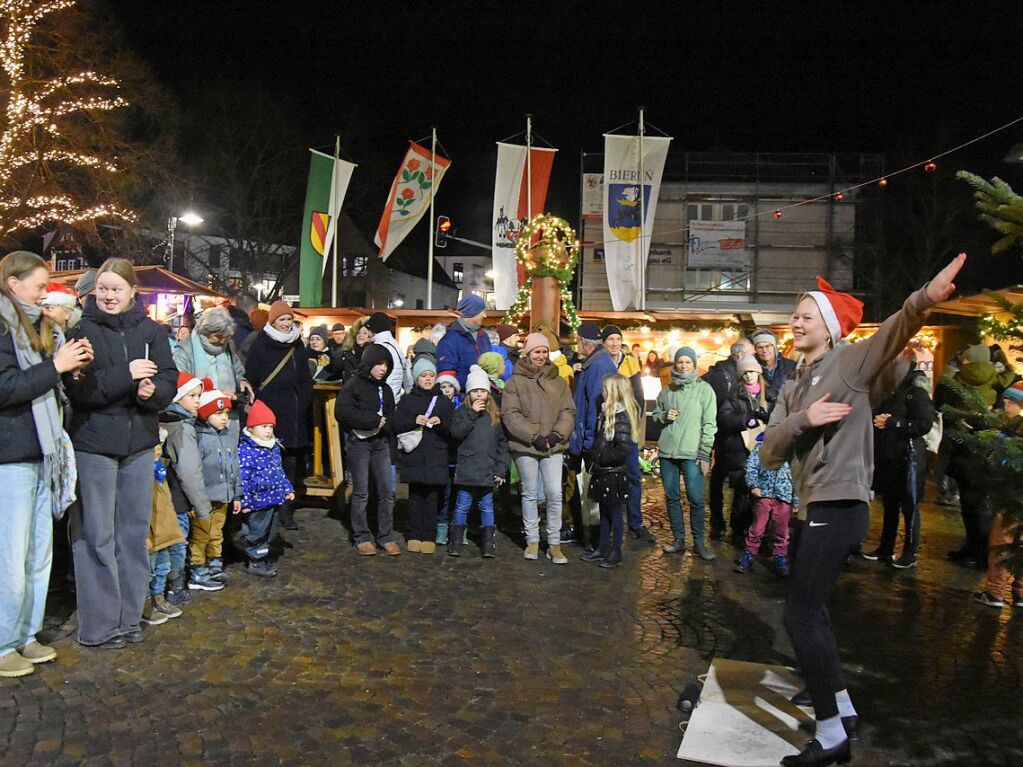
point(442, 533)
point(781, 565)
point(489, 542)
point(177, 592)
point(217, 570)
point(288, 517)
point(745, 563)
point(160, 603)
point(455, 533)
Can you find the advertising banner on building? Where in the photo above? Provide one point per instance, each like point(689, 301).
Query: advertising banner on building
point(717, 245)
point(512, 209)
point(631, 188)
point(409, 198)
point(593, 195)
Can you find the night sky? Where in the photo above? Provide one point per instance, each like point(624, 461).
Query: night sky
point(721, 76)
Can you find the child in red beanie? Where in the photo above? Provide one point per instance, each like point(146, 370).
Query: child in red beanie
point(265, 487)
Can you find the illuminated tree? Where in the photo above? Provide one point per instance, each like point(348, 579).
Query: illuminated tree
point(66, 150)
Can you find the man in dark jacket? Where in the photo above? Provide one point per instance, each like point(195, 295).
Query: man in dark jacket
point(723, 378)
point(465, 340)
point(240, 314)
point(775, 367)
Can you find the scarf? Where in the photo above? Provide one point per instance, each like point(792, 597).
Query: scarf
point(267, 443)
point(753, 388)
point(680, 379)
point(472, 328)
point(58, 456)
point(213, 362)
point(285, 338)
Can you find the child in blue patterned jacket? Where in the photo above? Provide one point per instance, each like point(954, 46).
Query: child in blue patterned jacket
point(265, 487)
point(774, 498)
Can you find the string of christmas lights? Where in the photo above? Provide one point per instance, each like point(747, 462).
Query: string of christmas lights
point(546, 247)
point(39, 106)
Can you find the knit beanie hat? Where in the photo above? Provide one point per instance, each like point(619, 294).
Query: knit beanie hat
point(590, 331)
point(321, 331)
point(379, 323)
point(278, 309)
point(471, 305)
point(448, 376)
point(764, 337)
point(535, 341)
point(1014, 393)
point(261, 414)
point(212, 401)
point(477, 379)
point(186, 383)
point(977, 353)
point(493, 363)
point(336, 326)
point(610, 330)
point(841, 312)
point(505, 331)
point(422, 365)
point(748, 363)
point(86, 283)
point(685, 351)
point(259, 318)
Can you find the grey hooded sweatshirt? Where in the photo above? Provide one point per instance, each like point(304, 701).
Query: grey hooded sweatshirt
point(836, 462)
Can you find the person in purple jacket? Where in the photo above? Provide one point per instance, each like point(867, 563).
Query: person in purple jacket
point(265, 487)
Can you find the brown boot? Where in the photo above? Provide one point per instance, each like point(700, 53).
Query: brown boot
point(392, 549)
point(366, 548)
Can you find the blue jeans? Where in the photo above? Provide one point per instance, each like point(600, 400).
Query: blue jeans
point(179, 551)
point(635, 488)
point(26, 550)
point(672, 471)
point(464, 498)
point(159, 569)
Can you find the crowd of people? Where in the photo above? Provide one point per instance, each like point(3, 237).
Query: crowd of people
point(168, 448)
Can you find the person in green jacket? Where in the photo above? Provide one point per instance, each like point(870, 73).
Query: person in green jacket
point(688, 410)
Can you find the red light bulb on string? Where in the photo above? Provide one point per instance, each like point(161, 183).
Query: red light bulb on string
point(777, 214)
point(930, 167)
point(883, 182)
point(839, 197)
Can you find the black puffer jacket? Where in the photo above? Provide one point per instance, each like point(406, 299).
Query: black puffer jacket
point(482, 449)
point(733, 419)
point(109, 418)
point(428, 463)
point(611, 455)
point(17, 390)
point(358, 404)
point(912, 416)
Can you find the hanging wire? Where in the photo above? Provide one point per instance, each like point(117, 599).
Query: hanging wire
point(829, 195)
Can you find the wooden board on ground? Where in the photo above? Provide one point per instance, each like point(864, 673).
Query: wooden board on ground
point(745, 717)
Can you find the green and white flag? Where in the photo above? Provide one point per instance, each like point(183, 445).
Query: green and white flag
point(328, 183)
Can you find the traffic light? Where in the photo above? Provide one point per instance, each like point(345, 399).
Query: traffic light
point(443, 231)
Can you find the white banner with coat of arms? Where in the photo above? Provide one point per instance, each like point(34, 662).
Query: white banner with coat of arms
point(627, 199)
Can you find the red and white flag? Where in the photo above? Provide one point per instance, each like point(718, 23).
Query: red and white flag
point(410, 197)
point(512, 208)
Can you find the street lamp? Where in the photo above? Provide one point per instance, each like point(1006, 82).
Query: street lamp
point(188, 218)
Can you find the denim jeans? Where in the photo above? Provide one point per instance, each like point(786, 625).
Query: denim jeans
point(109, 543)
point(26, 550)
point(531, 471)
point(635, 488)
point(464, 498)
point(371, 458)
point(159, 569)
point(179, 551)
point(674, 470)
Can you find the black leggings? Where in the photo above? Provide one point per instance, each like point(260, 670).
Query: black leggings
point(896, 506)
point(423, 501)
point(832, 531)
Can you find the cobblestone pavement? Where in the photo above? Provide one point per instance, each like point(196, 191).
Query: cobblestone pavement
point(422, 660)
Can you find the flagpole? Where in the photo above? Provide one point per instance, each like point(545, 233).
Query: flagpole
point(642, 217)
point(529, 168)
point(433, 182)
point(337, 217)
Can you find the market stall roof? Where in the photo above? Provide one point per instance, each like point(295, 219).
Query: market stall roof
point(981, 304)
point(152, 279)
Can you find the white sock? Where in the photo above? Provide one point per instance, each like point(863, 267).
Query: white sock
point(830, 732)
point(845, 706)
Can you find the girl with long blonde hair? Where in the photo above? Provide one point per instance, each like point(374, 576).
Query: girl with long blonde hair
point(618, 431)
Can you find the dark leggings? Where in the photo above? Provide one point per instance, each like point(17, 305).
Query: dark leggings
point(895, 506)
point(422, 511)
point(611, 527)
point(832, 531)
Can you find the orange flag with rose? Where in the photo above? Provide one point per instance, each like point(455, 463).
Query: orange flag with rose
point(417, 178)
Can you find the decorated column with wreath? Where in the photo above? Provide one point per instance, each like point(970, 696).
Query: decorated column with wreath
point(548, 250)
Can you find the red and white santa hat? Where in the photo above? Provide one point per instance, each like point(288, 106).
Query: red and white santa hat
point(59, 294)
point(212, 400)
point(186, 383)
point(841, 312)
